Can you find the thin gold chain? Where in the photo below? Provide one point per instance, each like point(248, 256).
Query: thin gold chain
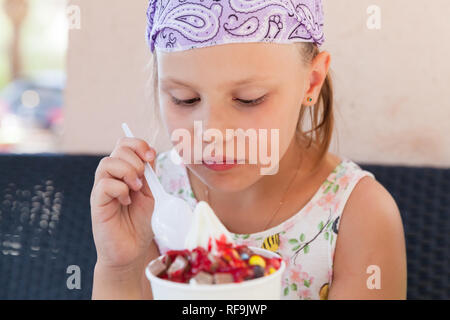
point(281, 201)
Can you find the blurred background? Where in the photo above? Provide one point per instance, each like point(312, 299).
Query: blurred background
point(33, 45)
point(390, 83)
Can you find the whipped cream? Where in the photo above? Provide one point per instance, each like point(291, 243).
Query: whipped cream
point(205, 226)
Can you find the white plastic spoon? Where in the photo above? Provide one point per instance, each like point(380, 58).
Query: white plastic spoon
point(172, 216)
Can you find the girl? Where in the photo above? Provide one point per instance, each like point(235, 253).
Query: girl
point(250, 65)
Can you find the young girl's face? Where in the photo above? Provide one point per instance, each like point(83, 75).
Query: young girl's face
point(233, 86)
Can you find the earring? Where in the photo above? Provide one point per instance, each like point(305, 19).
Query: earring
point(309, 99)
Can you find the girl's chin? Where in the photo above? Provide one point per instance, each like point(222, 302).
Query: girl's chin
point(235, 179)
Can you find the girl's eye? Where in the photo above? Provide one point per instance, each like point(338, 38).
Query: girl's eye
point(252, 102)
point(189, 102)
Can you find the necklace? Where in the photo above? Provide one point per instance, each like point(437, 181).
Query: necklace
point(282, 198)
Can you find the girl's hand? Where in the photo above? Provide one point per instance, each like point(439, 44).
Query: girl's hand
point(122, 206)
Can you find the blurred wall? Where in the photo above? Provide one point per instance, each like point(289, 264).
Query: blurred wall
point(108, 74)
point(390, 84)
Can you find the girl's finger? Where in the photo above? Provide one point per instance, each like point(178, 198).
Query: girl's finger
point(108, 189)
point(128, 154)
point(142, 149)
point(120, 169)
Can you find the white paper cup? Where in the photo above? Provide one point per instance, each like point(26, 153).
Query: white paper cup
point(263, 288)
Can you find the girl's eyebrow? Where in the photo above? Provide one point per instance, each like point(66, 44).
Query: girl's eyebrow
point(175, 81)
point(233, 82)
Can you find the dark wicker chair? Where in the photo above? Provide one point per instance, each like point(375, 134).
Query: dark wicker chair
point(45, 225)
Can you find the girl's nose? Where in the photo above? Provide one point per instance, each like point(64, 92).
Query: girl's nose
point(205, 129)
point(213, 125)
point(217, 117)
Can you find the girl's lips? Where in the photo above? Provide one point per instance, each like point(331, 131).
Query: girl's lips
point(220, 166)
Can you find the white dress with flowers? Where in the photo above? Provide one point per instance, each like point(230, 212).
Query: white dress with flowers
point(306, 241)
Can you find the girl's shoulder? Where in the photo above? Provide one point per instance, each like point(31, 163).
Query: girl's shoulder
point(366, 189)
point(369, 196)
point(370, 236)
point(339, 186)
point(360, 190)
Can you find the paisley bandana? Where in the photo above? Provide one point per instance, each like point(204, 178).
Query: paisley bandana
point(177, 25)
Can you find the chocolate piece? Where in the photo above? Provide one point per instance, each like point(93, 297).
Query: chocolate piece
point(157, 267)
point(258, 271)
point(223, 277)
point(178, 264)
point(203, 278)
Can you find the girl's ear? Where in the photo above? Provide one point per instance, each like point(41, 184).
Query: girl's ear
point(317, 75)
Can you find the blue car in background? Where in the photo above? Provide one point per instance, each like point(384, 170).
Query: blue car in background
point(37, 102)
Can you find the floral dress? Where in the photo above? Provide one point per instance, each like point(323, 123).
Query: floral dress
point(306, 241)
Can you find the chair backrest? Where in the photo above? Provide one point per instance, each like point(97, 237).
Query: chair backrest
point(45, 225)
point(423, 197)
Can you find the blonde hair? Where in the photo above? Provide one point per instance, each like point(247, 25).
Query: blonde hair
point(321, 114)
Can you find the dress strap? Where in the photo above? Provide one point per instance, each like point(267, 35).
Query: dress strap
point(348, 179)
